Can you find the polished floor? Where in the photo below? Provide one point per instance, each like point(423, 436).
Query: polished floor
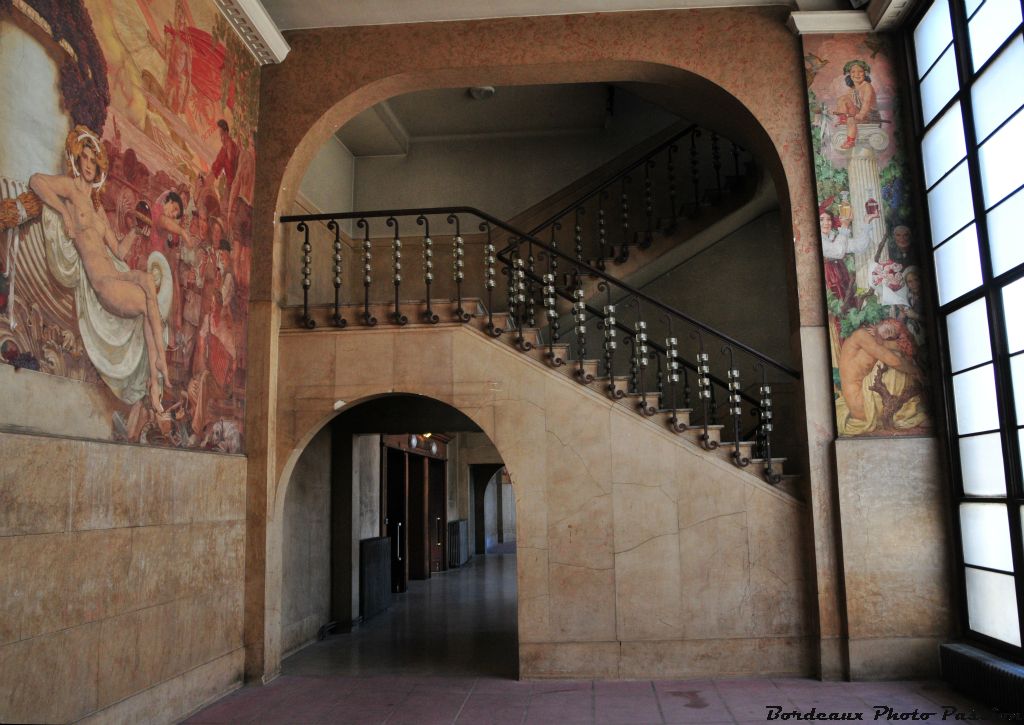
point(445, 652)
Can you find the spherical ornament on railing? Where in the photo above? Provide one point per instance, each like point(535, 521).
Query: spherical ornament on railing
point(703, 379)
point(672, 355)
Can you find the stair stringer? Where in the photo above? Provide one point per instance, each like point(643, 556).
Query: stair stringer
point(640, 555)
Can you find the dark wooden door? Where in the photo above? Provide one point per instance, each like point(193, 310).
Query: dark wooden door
point(419, 531)
point(437, 514)
point(396, 521)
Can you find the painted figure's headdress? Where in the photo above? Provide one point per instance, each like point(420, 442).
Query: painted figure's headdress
point(77, 139)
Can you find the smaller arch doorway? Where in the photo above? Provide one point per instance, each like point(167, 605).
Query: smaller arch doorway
point(380, 572)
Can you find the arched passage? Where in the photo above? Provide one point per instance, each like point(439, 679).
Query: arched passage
point(374, 481)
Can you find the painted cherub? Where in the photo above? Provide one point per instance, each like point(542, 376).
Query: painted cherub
point(124, 293)
point(860, 104)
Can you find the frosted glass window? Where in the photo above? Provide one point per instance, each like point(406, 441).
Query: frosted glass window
point(1013, 311)
point(992, 605)
point(986, 535)
point(998, 92)
point(957, 265)
point(1004, 233)
point(981, 463)
point(975, 396)
point(990, 26)
point(932, 35)
point(967, 331)
point(972, 5)
point(1002, 161)
point(950, 205)
point(943, 145)
point(1020, 447)
point(939, 85)
point(1017, 368)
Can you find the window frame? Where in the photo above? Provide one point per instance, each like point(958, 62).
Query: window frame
point(990, 291)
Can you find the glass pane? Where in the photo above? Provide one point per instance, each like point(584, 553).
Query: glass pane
point(1017, 368)
point(972, 5)
point(1020, 445)
point(992, 605)
point(967, 331)
point(939, 85)
point(975, 396)
point(1002, 161)
point(998, 92)
point(957, 265)
point(932, 35)
point(1013, 311)
point(950, 205)
point(1004, 238)
point(990, 26)
point(943, 145)
point(981, 462)
point(986, 535)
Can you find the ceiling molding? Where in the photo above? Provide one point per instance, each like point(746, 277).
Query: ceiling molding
point(829, 21)
point(256, 29)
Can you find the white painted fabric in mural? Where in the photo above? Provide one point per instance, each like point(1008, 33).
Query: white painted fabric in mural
point(115, 345)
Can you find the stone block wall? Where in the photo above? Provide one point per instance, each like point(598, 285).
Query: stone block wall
point(121, 579)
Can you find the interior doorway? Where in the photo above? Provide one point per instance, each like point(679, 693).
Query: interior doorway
point(381, 574)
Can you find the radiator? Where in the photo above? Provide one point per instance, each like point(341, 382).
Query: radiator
point(374, 576)
point(993, 681)
point(458, 543)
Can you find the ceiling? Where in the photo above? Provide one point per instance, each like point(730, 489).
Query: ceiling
point(453, 114)
point(291, 15)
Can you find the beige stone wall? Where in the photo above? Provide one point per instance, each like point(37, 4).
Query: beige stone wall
point(121, 579)
point(639, 554)
point(307, 545)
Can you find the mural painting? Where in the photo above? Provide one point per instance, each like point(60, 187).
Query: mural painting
point(871, 254)
point(127, 169)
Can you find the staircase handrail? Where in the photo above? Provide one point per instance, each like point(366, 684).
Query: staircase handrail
point(525, 238)
point(586, 196)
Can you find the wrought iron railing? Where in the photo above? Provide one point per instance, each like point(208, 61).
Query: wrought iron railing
point(544, 285)
point(649, 194)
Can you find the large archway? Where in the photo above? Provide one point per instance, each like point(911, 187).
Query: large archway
point(719, 53)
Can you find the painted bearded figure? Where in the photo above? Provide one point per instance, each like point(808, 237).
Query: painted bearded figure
point(120, 310)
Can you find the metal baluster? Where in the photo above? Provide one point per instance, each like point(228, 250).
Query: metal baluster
point(660, 383)
point(687, 402)
point(579, 307)
point(531, 264)
point(520, 296)
point(552, 315)
point(623, 254)
point(368, 319)
point(578, 234)
point(716, 163)
point(602, 231)
point(766, 426)
point(489, 282)
point(695, 170)
point(672, 361)
point(735, 409)
point(648, 204)
point(704, 390)
point(735, 160)
point(396, 272)
point(428, 267)
point(336, 319)
point(512, 284)
point(634, 369)
point(458, 269)
point(643, 353)
point(714, 407)
point(609, 343)
point(553, 325)
point(306, 320)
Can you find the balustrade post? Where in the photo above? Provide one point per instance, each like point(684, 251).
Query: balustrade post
point(602, 231)
point(578, 234)
point(609, 343)
point(428, 268)
point(306, 320)
point(519, 272)
point(735, 409)
point(458, 268)
point(704, 391)
point(672, 362)
point(770, 475)
point(648, 204)
point(368, 319)
point(642, 352)
point(623, 254)
point(489, 283)
point(579, 308)
point(336, 319)
point(396, 272)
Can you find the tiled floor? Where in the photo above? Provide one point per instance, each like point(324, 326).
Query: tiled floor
point(446, 653)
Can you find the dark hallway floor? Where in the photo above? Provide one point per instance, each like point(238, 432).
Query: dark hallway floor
point(445, 652)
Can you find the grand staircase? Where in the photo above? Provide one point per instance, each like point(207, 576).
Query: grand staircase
point(555, 293)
